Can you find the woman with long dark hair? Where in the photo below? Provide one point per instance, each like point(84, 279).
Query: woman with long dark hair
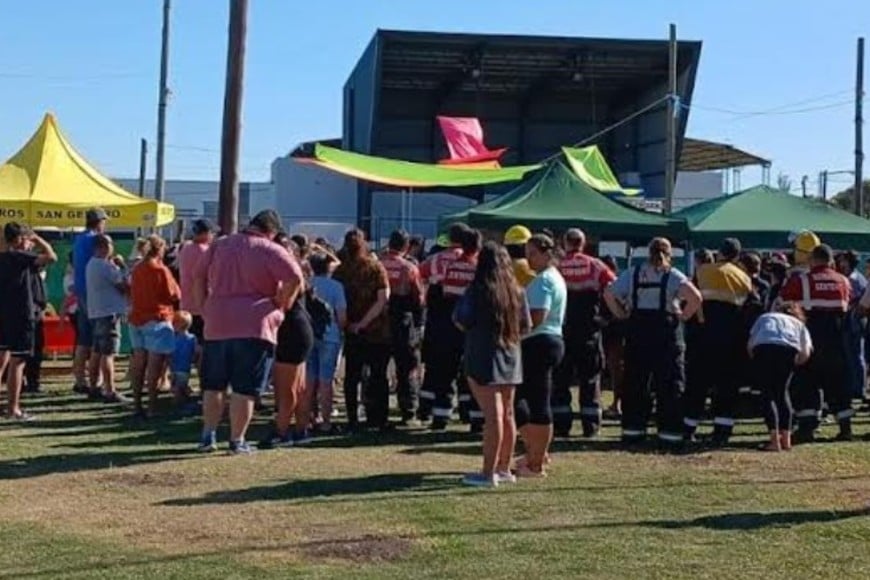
point(493, 314)
point(543, 349)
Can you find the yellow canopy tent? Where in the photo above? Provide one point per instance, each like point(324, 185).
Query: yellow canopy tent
point(48, 184)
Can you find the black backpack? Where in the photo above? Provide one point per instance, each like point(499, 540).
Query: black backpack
point(319, 311)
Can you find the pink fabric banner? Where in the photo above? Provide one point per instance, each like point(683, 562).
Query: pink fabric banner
point(464, 137)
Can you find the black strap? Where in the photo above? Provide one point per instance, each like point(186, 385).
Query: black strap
point(661, 285)
point(634, 287)
point(663, 292)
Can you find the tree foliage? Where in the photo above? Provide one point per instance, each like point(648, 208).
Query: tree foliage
point(846, 198)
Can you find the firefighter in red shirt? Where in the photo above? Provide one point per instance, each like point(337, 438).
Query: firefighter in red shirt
point(824, 295)
point(586, 278)
point(439, 316)
point(404, 308)
point(457, 278)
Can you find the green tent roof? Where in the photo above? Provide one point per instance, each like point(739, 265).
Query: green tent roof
point(556, 198)
point(763, 217)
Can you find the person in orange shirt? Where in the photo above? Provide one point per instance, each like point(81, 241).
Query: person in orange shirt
point(154, 296)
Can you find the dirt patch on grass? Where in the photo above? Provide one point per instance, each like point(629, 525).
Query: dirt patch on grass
point(158, 479)
point(363, 550)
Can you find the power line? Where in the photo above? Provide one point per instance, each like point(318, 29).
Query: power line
point(783, 110)
point(611, 127)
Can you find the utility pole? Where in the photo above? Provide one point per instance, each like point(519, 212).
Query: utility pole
point(823, 179)
point(228, 201)
point(162, 103)
point(143, 166)
point(859, 131)
point(804, 185)
point(671, 127)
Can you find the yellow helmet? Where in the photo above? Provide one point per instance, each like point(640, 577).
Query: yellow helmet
point(517, 235)
point(805, 241)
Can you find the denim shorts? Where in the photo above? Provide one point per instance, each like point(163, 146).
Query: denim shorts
point(245, 364)
point(107, 335)
point(156, 337)
point(84, 327)
point(323, 360)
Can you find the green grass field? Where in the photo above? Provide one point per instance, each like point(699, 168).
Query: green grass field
point(85, 492)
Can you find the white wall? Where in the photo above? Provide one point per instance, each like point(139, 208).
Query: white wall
point(308, 193)
point(197, 198)
point(695, 187)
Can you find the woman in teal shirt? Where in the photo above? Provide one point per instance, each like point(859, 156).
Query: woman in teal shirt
point(543, 349)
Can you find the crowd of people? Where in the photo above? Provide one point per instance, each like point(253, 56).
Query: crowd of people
point(500, 332)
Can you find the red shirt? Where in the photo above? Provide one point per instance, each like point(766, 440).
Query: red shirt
point(434, 269)
point(459, 274)
point(584, 273)
point(404, 276)
point(821, 289)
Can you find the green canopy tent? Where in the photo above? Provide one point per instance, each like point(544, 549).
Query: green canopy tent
point(554, 197)
point(763, 217)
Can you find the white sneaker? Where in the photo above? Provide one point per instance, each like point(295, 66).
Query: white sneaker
point(505, 477)
point(480, 480)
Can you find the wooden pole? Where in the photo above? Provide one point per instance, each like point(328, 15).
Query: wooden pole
point(163, 99)
point(228, 201)
point(859, 131)
point(671, 125)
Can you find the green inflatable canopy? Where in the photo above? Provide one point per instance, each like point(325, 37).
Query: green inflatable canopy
point(554, 197)
point(764, 217)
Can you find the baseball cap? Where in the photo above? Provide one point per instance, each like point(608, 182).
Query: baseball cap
point(12, 230)
point(516, 235)
point(96, 214)
point(203, 226)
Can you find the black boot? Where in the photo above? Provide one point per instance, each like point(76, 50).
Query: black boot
point(804, 435)
point(845, 433)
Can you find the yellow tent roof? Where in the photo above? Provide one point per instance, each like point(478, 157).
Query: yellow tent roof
point(48, 184)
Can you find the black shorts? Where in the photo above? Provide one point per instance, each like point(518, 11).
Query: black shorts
point(197, 328)
point(295, 339)
point(18, 337)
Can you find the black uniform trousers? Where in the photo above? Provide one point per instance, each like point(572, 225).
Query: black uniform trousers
point(718, 360)
point(824, 379)
point(583, 363)
point(361, 355)
point(403, 333)
point(654, 366)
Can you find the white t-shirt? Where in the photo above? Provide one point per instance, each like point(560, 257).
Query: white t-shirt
point(783, 330)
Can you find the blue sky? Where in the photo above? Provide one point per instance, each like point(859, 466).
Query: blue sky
point(95, 64)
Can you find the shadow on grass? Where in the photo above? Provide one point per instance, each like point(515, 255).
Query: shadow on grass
point(409, 486)
point(745, 521)
point(50, 464)
point(423, 483)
